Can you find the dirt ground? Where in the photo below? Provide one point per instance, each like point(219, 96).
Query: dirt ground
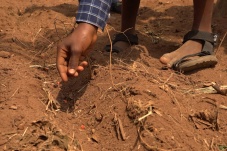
point(121, 102)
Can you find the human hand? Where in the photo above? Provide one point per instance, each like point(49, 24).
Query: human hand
point(71, 51)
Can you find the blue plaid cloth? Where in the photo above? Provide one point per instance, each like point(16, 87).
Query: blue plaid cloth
point(94, 12)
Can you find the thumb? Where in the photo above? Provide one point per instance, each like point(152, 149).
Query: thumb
point(73, 62)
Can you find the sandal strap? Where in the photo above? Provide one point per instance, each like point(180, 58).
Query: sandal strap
point(209, 40)
point(130, 38)
point(200, 35)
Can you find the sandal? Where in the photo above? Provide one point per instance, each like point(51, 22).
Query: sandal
point(125, 37)
point(206, 58)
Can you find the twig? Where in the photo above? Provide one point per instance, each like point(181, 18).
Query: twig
point(142, 66)
point(216, 119)
point(12, 136)
point(42, 67)
point(39, 66)
point(52, 104)
point(33, 40)
point(8, 139)
point(206, 142)
point(168, 79)
point(111, 49)
point(3, 85)
point(83, 87)
point(119, 127)
point(21, 42)
point(148, 114)
point(9, 133)
point(121, 130)
point(36, 66)
point(146, 145)
point(223, 107)
point(24, 132)
point(14, 93)
point(72, 138)
point(221, 42)
point(47, 39)
point(210, 89)
point(116, 125)
point(211, 144)
point(177, 102)
point(218, 89)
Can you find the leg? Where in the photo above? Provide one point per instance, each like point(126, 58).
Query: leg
point(116, 6)
point(203, 10)
point(128, 20)
point(129, 13)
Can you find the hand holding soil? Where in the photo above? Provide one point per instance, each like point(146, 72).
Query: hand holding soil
point(73, 49)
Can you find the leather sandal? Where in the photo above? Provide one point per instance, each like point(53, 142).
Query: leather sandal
point(205, 59)
point(125, 37)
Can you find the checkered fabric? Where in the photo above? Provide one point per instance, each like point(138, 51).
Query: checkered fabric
point(94, 12)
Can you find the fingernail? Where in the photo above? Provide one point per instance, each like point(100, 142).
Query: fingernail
point(76, 74)
point(72, 71)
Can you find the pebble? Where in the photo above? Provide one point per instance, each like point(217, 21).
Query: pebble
point(95, 138)
point(13, 107)
point(92, 131)
point(21, 126)
point(98, 116)
point(5, 54)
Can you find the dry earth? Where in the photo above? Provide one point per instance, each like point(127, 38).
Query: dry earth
point(126, 102)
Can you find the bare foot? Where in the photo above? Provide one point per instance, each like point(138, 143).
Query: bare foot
point(189, 47)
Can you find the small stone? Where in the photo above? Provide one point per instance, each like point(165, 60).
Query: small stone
point(21, 126)
point(144, 134)
point(98, 116)
point(19, 12)
point(95, 138)
point(92, 131)
point(5, 54)
point(13, 107)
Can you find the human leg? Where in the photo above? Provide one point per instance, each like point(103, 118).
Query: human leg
point(129, 12)
point(116, 6)
point(202, 22)
point(128, 21)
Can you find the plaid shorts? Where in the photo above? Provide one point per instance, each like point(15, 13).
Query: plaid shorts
point(94, 12)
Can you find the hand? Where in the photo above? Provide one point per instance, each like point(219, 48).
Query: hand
point(72, 50)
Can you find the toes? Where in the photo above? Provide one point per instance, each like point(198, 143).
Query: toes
point(165, 59)
point(171, 62)
point(169, 59)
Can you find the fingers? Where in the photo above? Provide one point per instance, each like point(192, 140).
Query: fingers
point(61, 63)
point(72, 49)
point(73, 63)
point(72, 67)
point(63, 72)
point(81, 66)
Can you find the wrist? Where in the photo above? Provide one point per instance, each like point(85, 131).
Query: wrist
point(87, 27)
